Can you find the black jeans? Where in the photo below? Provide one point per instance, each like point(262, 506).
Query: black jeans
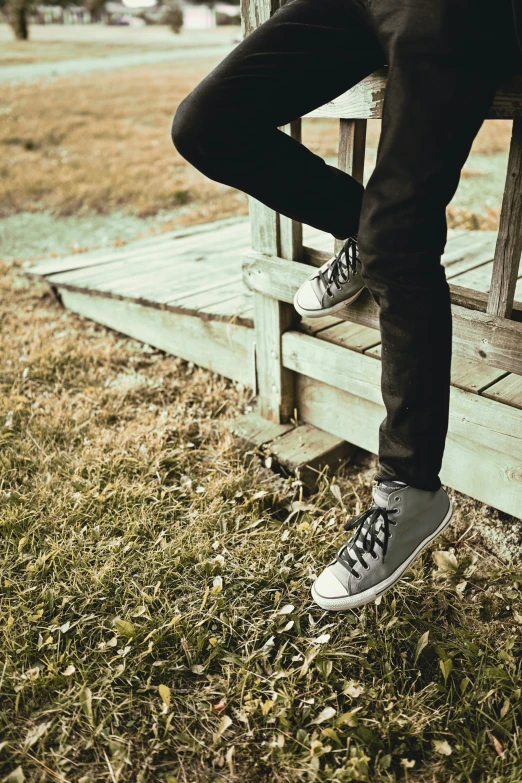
point(445, 60)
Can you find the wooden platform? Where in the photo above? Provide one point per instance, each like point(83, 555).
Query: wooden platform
point(183, 292)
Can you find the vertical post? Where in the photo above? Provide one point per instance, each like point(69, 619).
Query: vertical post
point(291, 231)
point(509, 240)
point(275, 383)
point(352, 148)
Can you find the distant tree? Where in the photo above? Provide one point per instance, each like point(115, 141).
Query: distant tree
point(17, 13)
point(173, 17)
point(95, 8)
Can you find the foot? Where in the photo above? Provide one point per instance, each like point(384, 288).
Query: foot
point(335, 284)
point(388, 537)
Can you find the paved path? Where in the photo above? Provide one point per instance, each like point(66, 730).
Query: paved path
point(27, 72)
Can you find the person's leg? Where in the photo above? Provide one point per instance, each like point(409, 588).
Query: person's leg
point(306, 54)
point(442, 78)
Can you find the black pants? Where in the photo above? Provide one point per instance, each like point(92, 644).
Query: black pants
point(445, 59)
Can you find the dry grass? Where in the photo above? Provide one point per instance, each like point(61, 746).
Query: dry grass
point(155, 615)
point(49, 43)
point(102, 141)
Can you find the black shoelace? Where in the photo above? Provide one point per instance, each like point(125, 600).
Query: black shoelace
point(342, 267)
point(368, 538)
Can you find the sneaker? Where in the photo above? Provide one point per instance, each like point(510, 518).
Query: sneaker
point(388, 537)
point(335, 284)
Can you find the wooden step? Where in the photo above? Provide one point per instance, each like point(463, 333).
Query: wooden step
point(304, 451)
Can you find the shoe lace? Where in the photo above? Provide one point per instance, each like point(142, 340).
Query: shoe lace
point(343, 266)
point(366, 533)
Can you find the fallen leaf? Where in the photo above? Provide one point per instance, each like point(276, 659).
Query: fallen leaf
point(326, 714)
point(124, 628)
point(499, 746)
point(16, 776)
point(164, 692)
point(224, 723)
point(443, 747)
point(323, 639)
point(445, 561)
point(34, 734)
point(69, 671)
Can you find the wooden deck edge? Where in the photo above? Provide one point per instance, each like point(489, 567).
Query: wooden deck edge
point(163, 306)
point(108, 254)
point(224, 348)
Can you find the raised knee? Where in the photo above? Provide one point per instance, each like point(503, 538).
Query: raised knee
point(185, 130)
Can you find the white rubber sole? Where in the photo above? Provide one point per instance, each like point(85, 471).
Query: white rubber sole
point(345, 603)
point(326, 310)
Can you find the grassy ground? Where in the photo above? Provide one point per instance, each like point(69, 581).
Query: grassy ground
point(155, 619)
point(49, 43)
point(155, 616)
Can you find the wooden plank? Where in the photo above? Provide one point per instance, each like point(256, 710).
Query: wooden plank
point(477, 278)
point(473, 376)
point(255, 12)
point(221, 347)
point(352, 336)
point(307, 450)
point(365, 101)
point(275, 384)
point(477, 300)
point(496, 341)
point(314, 325)
point(107, 255)
point(509, 242)
point(254, 431)
point(350, 157)
point(496, 425)
point(352, 147)
point(508, 390)
point(466, 374)
point(163, 262)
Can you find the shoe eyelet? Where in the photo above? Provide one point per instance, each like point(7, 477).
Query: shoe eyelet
point(398, 499)
point(366, 567)
point(375, 557)
point(358, 576)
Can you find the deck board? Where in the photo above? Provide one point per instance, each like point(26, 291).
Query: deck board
point(197, 271)
point(507, 390)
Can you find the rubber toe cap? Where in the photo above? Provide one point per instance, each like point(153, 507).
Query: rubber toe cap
point(328, 586)
point(306, 298)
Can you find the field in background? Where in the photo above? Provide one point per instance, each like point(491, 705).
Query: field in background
point(63, 42)
point(101, 142)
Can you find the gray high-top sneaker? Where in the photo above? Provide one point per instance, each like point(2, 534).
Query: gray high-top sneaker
point(335, 284)
point(400, 523)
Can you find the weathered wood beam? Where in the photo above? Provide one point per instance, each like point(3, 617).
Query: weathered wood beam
point(509, 240)
point(365, 100)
